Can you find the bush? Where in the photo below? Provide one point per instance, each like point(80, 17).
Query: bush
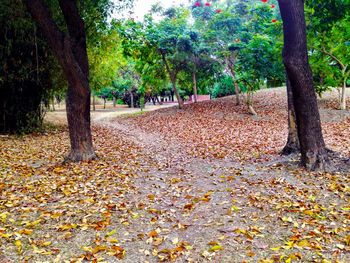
point(224, 87)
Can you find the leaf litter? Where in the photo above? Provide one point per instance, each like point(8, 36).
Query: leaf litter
point(202, 184)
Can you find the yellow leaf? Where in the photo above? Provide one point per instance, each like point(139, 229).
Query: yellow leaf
point(5, 235)
point(347, 240)
point(304, 243)
point(3, 216)
point(216, 248)
point(275, 248)
point(111, 233)
point(26, 231)
point(235, 208)
point(99, 249)
point(112, 240)
point(19, 246)
point(46, 244)
point(87, 249)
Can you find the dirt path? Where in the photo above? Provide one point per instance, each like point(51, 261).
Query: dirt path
point(211, 209)
point(188, 209)
point(59, 116)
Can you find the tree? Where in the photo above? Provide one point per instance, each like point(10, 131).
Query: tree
point(29, 77)
point(105, 59)
point(312, 146)
point(329, 34)
point(222, 31)
point(70, 50)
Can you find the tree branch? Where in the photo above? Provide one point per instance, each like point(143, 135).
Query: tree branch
point(52, 33)
point(333, 57)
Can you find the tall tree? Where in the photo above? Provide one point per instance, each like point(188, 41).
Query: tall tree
point(312, 146)
point(70, 50)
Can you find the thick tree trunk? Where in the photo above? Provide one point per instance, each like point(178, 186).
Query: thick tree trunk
point(71, 53)
point(292, 145)
point(78, 115)
point(195, 93)
point(312, 147)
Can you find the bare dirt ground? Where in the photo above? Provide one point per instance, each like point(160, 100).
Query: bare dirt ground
point(198, 185)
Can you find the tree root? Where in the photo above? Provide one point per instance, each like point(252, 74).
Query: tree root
point(79, 157)
point(290, 148)
point(317, 161)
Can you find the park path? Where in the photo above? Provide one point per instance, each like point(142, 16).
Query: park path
point(194, 203)
point(198, 200)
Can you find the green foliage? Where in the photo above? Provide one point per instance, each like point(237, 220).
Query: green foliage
point(26, 76)
point(328, 36)
point(224, 87)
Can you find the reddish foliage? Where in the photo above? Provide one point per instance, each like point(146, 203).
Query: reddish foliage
point(264, 1)
point(274, 20)
point(218, 11)
point(219, 128)
point(273, 6)
point(197, 4)
point(207, 4)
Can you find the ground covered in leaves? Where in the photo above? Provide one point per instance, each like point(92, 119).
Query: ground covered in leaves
point(201, 184)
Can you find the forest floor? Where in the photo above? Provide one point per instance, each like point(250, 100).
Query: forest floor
point(201, 184)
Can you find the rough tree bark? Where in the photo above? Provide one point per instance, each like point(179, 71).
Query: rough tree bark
point(312, 146)
point(70, 49)
point(292, 145)
point(172, 76)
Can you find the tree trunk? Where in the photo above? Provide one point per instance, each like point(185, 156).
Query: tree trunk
point(104, 103)
point(179, 99)
point(114, 102)
point(312, 147)
point(132, 99)
point(292, 145)
point(343, 96)
point(249, 101)
point(70, 49)
point(160, 102)
point(78, 115)
point(195, 93)
point(172, 76)
point(94, 103)
point(230, 66)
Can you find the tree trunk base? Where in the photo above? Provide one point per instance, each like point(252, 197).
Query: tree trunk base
point(251, 110)
point(290, 148)
point(317, 161)
point(78, 156)
point(238, 102)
